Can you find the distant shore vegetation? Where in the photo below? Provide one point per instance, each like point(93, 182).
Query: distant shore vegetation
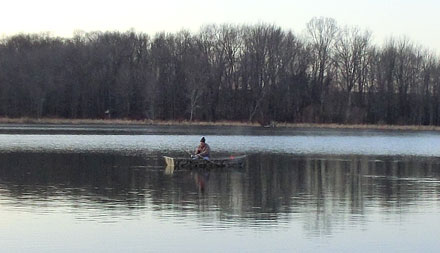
point(185, 123)
point(256, 74)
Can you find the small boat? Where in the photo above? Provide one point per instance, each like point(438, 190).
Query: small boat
point(223, 162)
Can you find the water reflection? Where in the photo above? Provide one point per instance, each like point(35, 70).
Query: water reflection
point(324, 193)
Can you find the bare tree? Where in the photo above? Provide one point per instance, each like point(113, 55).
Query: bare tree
point(261, 67)
point(351, 56)
point(322, 34)
point(228, 72)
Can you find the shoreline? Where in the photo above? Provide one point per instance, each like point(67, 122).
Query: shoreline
point(275, 125)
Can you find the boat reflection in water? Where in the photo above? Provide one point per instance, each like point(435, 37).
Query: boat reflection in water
point(169, 170)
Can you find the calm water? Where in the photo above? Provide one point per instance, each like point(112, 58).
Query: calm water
point(312, 191)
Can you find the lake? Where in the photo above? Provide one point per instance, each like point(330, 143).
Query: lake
point(106, 189)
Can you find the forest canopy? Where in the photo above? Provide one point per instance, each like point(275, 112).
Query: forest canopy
point(257, 73)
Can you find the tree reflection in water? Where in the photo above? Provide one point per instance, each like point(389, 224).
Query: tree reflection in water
point(273, 189)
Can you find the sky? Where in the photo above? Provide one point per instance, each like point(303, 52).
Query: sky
point(417, 20)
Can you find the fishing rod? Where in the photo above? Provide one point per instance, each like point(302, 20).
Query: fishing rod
point(189, 153)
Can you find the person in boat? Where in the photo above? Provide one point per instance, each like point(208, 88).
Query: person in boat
point(203, 150)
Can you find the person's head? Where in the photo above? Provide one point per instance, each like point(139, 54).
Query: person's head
point(202, 141)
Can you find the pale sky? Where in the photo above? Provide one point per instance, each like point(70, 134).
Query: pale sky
point(418, 20)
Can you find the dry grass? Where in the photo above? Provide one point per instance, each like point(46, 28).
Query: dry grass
point(205, 123)
point(121, 122)
point(361, 126)
point(66, 121)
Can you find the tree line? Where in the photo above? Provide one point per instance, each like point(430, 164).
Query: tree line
point(257, 73)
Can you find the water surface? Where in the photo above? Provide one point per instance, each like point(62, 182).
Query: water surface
point(313, 193)
point(378, 143)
